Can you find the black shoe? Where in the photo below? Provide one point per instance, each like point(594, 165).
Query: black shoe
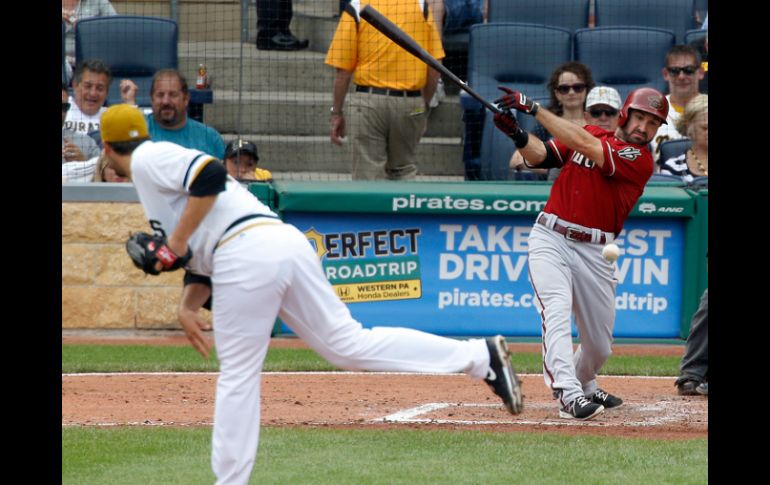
point(687, 388)
point(606, 399)
point(501, 377)
point(582, 409)
point(282, 42)
point(703, 388)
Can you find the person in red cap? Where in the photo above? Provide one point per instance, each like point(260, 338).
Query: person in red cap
point(603, 175)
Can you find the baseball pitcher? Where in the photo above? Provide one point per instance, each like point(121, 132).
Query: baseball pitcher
point(258, 268)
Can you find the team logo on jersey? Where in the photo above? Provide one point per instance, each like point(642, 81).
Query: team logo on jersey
point(630, 153)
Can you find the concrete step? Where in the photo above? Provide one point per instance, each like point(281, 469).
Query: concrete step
point(233, 64)
point(282, 153)
point(302, 113)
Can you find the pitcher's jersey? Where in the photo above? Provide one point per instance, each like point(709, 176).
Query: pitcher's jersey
point(597, 197)
point(163, 172)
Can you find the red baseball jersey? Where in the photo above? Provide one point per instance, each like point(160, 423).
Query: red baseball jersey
point(599, 197)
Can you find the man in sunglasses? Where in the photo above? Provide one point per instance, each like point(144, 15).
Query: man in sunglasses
point(603, 108)
point(683, 73)
point(603, 175)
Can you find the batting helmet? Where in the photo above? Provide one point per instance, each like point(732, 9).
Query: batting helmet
point(648, 100)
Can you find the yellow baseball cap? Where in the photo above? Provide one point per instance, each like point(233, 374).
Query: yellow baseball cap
point(123, 122)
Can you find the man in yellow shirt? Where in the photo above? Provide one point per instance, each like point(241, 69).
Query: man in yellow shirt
point(387, 114)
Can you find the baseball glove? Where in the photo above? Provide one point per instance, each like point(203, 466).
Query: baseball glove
point(147, 250)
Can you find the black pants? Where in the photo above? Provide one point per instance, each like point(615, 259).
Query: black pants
point(695, 361)
point(273, 17)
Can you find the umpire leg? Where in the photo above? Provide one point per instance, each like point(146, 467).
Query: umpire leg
point(695, 361)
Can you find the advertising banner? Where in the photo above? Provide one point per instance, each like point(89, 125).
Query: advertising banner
point(467, 275)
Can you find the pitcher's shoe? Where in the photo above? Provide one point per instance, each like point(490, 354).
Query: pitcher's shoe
point(581, 408)
point(501, 377)
point(606, 399)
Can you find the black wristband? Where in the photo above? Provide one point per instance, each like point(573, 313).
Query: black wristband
point(535, 107)
point(520, 138)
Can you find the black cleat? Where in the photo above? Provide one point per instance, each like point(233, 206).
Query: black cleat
point(501, 377)
point(687, 388)
point(606, 399)
point(582, 409)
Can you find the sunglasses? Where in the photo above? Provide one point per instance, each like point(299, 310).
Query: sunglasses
point(564, 88)
point(689, 70)
point(65, 106)
point(597, 112)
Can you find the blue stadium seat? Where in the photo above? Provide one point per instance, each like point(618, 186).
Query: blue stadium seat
point(570, 14)
point(677, 16)
point(134, 47)
point(625, 58)
point(518, 55)
point(695, 36)
point(674, 148)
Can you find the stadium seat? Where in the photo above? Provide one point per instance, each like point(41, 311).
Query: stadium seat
point(134, 47)
point(625, 58)
point(674, 148)
point(695, 36)
point(571, 14)
point(520, 56)
point(677, 16)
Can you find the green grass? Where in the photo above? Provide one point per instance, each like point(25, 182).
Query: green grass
point(330, 456)
point(145, 358)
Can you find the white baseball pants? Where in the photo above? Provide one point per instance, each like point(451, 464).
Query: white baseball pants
point(272, 270)
point(571, 276)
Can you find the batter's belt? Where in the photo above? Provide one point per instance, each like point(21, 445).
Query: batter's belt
point(572, 233)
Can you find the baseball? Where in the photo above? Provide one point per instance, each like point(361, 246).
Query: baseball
point(611, 252)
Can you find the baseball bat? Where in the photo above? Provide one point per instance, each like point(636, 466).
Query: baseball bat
point(401, 38)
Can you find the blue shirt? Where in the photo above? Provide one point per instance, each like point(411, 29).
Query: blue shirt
point(193, 135)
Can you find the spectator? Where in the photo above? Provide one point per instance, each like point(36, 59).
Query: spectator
point(453, 16)
point(273, 19)
point(91, 84)
point(702, 46)
point(603, 108)
point(105, 173)
point(568, 85)
point(694, 368)
point(694, 124)
point(683, 72)
point(73, 11)
point(74, 146)
point(393, 89)
point(241, 162)
point(168, 121)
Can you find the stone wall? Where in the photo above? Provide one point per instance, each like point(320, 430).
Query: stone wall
point(101, 288)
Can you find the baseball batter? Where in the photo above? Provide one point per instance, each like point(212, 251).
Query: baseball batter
point(258, 268)
point(603, 175)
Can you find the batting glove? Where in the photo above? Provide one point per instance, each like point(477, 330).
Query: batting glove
point(517, 100)
point(505, 122)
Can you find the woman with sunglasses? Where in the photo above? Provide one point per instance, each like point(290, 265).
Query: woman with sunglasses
point(569, 84)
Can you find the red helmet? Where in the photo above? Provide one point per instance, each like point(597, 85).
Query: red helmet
point(648, 100)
